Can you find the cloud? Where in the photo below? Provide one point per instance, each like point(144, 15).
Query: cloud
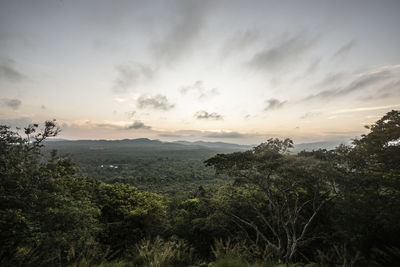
point(361, 82)
point(204, 115)
point(313, 66)
point(225, 135)
point(109, 125)
point(389, 90)
point(344, 50)
point(189, 19)
point(131, 114)
point(9, 73)
point(138, 125)
point(330, 79)
point(286, 53)
point(157, 102)
point(238, 42)
point(104, 125)
point(130, 75)
point(360, 109)
point(199, 89)
point(273, 103)
point(17, 122)
point(310, 115)
point(11, 103)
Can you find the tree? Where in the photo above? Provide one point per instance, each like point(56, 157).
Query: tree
point(128, 215)
point(367, 211)
point(46, 212)
point(282, 193)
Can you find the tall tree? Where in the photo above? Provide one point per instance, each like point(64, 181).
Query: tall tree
point(284, 192)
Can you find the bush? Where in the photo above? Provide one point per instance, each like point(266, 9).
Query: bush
point(161, 253)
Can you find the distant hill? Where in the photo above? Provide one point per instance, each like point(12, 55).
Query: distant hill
point(144, 143)
point(214, 145)
point(316, 145)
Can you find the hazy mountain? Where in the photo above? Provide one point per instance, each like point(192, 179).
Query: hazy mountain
point(317, 145)
point(214, 145)
point(144, 143)
point(176, 145)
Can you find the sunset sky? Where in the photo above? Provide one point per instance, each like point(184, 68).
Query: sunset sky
point(231, 71)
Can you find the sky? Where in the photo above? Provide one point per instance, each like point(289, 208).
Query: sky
point(230, 71)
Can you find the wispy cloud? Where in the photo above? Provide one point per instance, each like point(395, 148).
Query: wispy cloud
point(199, 90)
point(9, 73)
point(204, 115)
point(11, 103)
point(273, 103)
point(360, 82)
point(313, 66)
point(310, 115)
point(130, 75)
point(17, 122)
point(330, 79)
point(360, 109)
point(287, 52)
point(103, 125)
point(344, 50)
point(138, 125)
point(189, 18)
point(238, 42)
point(389, 90)
point(130, 114)
point(156, 102)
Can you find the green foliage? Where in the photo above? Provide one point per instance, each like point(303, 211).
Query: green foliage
point(161, 253)
point(278, 196)
point(172, 170)
point(127, 215)
point(46, 210)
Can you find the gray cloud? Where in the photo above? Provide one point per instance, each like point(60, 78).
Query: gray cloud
point(17, 122)
point(310, 115)
point(389, 90)
point(239, 42)
point(138, 125)
point(104, 125)
point(11, 103)
point(225, 135)
point(156, 102)
point(9, 73)
point(273, 103)
point(286, 53)
point(313, 66)
point(362, 82)
point(204, 115)
point(344, 50)
point(330, 79)
point(190, 18)
point(198, 88)
point(131, 114)
point(129, 75)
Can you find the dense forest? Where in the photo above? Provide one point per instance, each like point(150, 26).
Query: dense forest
point(171, 168)
point(263, 206)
